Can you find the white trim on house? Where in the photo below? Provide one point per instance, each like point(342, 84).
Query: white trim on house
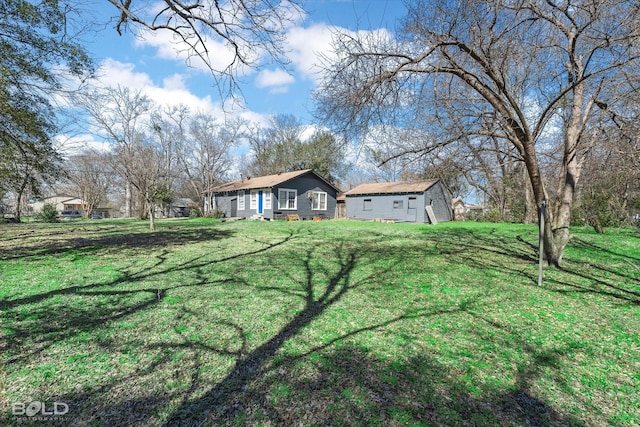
point(267, 199)
point(318, 201)
point(285, 200)
point(241, 200)
point(253, 200)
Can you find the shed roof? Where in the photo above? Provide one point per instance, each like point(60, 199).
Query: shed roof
point(392, 187)
point(266, 181)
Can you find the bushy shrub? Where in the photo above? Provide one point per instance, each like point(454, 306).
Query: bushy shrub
point(598, 207)
point(578, 217)
point(194, 213)
point(48, 214)
point(216, 213)
point(492, 215)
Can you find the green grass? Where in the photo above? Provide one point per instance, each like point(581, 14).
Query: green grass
point(318, 323)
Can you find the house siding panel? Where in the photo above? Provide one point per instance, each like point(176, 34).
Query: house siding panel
point(304, 209)
point(382, 205)
point(441, 202)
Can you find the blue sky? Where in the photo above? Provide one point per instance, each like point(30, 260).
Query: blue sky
point(153, 66)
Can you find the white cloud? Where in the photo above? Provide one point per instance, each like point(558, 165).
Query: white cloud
point(72, 145)
point(274, 79)
point(172, 92)
point(175, 82)
point(112, 73)
point(168, 46)
point(312, 45)
point(306, 44)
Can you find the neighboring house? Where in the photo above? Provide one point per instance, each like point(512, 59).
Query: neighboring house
point(303, 192)
point(181, 207)
point(61, 202)
point(407, 201)
point(474, 212)
point(466, 211)
point(68, 203)
point(459, 209)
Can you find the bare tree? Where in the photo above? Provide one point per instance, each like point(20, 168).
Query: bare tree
point(531, 73)
point(122, 116)
point(258, 160)
point(143, 164)
point(247, 30)
point(611, 194)
point(166, 129)
point(90, 177)
point(205, 156)
point(24, 169)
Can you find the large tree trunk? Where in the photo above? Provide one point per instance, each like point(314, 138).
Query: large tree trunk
point(529, 205)
point(128, 196)
point(555, 241)
point(152, 222)
point(557, 232)
point(19, 196)
point(558, 222)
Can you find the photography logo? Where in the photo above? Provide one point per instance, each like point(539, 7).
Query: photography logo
point(37, 410)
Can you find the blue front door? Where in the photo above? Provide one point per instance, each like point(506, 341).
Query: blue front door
point(260, 204)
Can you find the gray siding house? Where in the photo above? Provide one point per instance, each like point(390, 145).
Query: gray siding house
point(399, 201)
point(303, 192)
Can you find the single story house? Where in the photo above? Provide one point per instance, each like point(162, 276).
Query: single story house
point(68, 203)
point(61, 202)
point(181, 207)
point(303, 193)
point(407, 201)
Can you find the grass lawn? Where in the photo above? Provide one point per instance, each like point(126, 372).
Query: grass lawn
point(316, 323)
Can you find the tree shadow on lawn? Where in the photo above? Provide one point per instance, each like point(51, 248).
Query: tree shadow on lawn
point(484, 251)
point(95, 241)
point(33, 332)
point(348, 384)
point(330, 384)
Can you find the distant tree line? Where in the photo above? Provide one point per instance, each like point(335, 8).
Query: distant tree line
point(157, 154)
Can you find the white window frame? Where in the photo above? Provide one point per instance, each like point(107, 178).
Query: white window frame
point(317, 202)
point(267, 199)
point(253, 200)
point(241, 200)
point(283, 199)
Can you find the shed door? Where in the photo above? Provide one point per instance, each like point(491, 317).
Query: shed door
point(234, 207)
point(412, 209)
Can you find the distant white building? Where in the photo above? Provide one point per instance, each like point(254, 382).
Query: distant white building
point(61, 202)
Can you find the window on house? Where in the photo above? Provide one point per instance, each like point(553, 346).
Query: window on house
point(318, 201)
point(367, 205)
point(267, 199)
point(241, 200)
point(253, 200)
point(287, 199)
point(398, 204)
point(413, 203)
